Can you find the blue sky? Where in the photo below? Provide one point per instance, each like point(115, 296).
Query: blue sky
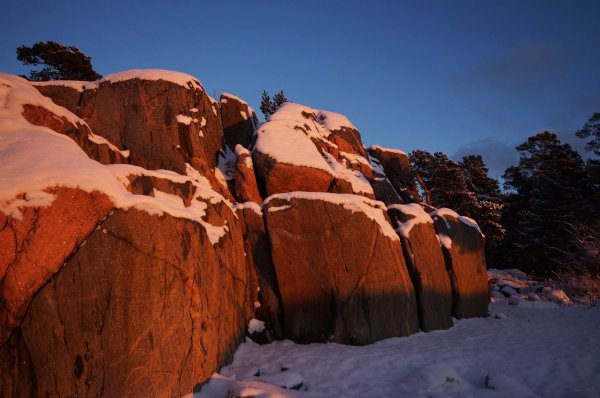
point(459, 77)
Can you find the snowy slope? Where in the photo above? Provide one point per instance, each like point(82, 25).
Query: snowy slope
point(515, 352)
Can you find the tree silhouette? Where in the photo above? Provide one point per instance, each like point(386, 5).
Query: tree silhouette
point(61, 62)
point(268, 106)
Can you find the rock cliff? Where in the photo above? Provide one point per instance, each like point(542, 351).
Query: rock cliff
point(144, 224)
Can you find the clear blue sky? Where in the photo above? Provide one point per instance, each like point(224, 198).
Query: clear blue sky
point(458, 77)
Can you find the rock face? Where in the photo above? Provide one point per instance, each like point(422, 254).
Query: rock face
point(463, 246)
point(296, 150)
point(95, 147)
point(426, 266)
point(397, 168)
point(130, 315)
point(258, 256)
point(164, 124)
point(245, 186)
point(131, 266)
point(282, 177)
point(67, 96)
point(34, 247)
point(338, 284)
point(239, 122)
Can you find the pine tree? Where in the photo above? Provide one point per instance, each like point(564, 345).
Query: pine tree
point(279, 99)
point(62, 62)
point(591, 129)
point(266, 105)
point(549, 191)
point(464, 187)
point(489, 204)
point(442, 181)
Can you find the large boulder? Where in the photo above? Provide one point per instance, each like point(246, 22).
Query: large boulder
point(294, 152)
point(239, 122)
point(286, 158)
point(463, 245)
point(164, 118)
point(115, 280)
point(345, 278)
point(397, 169)
point(132, 315)
point(426, 265)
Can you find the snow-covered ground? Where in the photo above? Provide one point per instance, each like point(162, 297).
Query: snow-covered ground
point(518, 351)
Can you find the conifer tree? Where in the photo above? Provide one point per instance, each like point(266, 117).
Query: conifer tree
point(279, 99)
point(268, 106)
point(489, 203)
point(442, 181)
point(548, 191)
point(62, 62)
point(591, 129)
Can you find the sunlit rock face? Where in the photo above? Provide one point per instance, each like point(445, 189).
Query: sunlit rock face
point(337, 284)
point(143, 225)
point(463, 245)
point(397, 169)
point(239, 122)
point(426, 266)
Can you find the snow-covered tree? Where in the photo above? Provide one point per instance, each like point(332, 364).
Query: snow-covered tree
point(61, 62)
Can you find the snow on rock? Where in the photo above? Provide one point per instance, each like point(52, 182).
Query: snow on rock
point(240, 150)
point(35, 158)
point(419, 216)
point(444, 212)
point(15, 92)
point(396, 151)
point(526, 291)
point(559, 296)
point(333, 121)
point(303, 149)
point(255, 207)
point(76, 85)
point(179, 78)
point(255, 326)
point(282, 138)
point(445, 241)
point(373, 209)
point(520, 353)
point(183, 119)
point(358, 182)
